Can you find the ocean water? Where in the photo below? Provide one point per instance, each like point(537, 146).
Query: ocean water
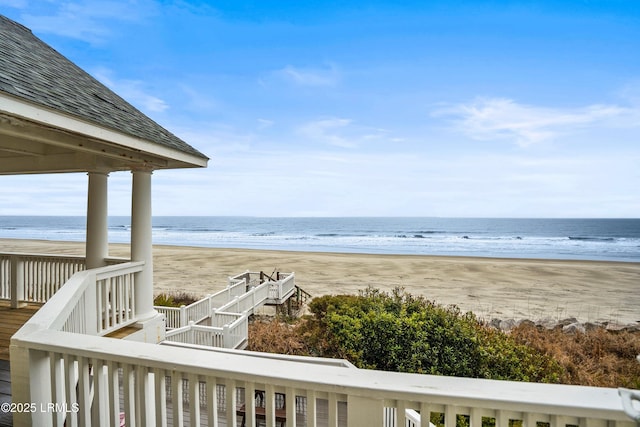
point(586, 239)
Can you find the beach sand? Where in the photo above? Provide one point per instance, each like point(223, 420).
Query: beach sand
point(490, 287)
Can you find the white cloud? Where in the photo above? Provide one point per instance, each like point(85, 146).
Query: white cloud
point(328, 131)
point(631, 92)
point(319, 182)
point(89, 20)
point(133, 91)
point(197, 100)
point(264, 123)
point(340, 132)
point(500, 118)
point(17, 4)
point(328, 76)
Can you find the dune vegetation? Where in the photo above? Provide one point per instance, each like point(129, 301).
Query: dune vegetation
point(400, 332)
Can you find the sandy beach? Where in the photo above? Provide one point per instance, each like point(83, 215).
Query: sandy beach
point(490, 287)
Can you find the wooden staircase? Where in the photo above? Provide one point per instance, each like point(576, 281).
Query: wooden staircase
point(294, 306)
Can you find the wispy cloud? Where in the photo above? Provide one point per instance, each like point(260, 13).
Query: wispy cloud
point(501, 118)
point(328, 131)
point(17, 4)
point(197, 100)
point(87, 20)
point(326, 76)
point(345, 133)
point(133, 91)
point(265, 124)
point(631, 92)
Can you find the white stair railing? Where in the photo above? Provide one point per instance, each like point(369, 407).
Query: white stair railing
point(238, 297)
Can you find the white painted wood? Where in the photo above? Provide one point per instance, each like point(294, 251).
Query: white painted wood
point(16, 291)
point(141, 242)
point(194, 398)
point(50, 364)
point(71, 382)
point(135, 146)
point(57, 387)
point(176, 399)
point(212, 402)
point(363, 411)
point(113, 392)
point(84, 392)
point(425, 415)
point(129, 393)
point(570, 401)
point(97, 243)
point(231, 402)
point(628, 398)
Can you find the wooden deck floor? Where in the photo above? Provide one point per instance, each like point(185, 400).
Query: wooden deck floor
point(10, 321)
point(5, 393)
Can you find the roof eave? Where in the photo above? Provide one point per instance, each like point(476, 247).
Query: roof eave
point(174, 159)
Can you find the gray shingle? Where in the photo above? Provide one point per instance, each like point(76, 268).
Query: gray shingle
point(32, 70)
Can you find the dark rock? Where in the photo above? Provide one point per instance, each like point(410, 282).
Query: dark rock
point(593, 326)
point(507, 325)
point(568, 321)
point(574, 328)
point(546, 323)
point(526, 322)
point(495, 323)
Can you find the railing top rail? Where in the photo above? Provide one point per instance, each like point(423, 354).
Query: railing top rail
point(239, 320)
point(166, 308)
point(81, 258)
point(39, 255)
point(565, 400)
point(341, 363)
point(202, 328)
point(114, 270)
point(229, 313)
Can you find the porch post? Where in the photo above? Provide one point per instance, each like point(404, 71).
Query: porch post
point(97, 245)
point(141, 244)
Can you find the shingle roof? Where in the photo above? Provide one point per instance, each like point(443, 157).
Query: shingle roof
point(32, 70)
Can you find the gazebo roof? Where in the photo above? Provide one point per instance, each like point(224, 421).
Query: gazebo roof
point(55, 117)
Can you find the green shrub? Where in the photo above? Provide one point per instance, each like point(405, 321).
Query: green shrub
point(402, 333)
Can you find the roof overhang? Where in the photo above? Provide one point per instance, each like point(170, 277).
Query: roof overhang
point(36, 139)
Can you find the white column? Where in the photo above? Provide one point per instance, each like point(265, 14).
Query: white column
point(141, 245)
point(97, 245)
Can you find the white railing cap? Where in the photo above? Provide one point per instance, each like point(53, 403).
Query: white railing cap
point(39, 255)
point(628, 397)
point(582, 401)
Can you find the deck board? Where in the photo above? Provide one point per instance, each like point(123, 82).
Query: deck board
point(6, 419)
point(12, 319)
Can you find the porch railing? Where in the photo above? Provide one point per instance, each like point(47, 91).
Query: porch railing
point(94, 302)
point(115, 377)
point(26, 278)
point(70, 379)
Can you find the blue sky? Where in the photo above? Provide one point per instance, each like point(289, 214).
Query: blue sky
point(378, 108)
